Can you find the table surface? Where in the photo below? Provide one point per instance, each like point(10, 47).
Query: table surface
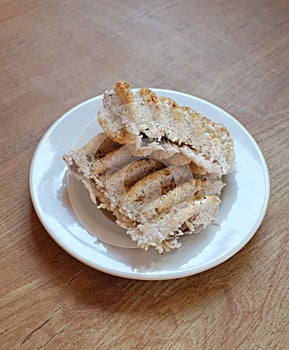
point(55, 54)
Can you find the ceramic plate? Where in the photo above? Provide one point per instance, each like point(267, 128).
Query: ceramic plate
point(244, 201)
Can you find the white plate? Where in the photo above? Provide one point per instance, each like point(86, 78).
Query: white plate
point(244, 201)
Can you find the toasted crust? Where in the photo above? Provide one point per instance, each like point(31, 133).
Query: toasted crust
point(166, 202)
point(79, 161)
point(164, 234)
point(154, 202)
point(126, 118)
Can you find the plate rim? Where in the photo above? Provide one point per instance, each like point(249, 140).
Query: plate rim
point(151, 276)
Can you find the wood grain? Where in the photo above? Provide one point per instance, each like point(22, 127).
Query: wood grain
point(55, 54)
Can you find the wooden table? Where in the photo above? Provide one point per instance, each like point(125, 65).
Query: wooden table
point(56, 54)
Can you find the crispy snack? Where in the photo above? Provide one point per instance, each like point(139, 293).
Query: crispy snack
point(158, 126)
point(158, 167)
